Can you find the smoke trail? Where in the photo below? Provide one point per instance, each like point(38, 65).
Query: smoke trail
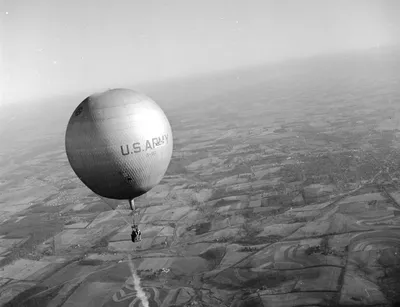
point(136, 283)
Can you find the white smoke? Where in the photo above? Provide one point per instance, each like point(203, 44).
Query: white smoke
point(136, 283)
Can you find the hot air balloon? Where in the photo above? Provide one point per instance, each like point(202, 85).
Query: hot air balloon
point(119, 143)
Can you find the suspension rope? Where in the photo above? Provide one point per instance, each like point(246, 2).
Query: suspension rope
point(123, 216)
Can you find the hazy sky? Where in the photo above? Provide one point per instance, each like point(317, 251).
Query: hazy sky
point(52, 46)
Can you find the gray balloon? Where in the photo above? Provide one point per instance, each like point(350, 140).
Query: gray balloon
point(119, 143)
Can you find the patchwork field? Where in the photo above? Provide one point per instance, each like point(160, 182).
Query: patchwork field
point(278, 195)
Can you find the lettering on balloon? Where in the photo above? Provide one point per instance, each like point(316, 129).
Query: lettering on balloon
point(145, 146)
point(125, 150)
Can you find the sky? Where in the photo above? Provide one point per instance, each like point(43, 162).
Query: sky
point(52, 47)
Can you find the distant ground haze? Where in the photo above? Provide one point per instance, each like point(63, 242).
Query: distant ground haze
point(58, 47)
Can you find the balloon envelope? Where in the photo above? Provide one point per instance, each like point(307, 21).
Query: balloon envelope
point(119, 143)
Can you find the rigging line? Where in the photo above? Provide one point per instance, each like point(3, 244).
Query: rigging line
point(135, 213)
point(126, 221)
